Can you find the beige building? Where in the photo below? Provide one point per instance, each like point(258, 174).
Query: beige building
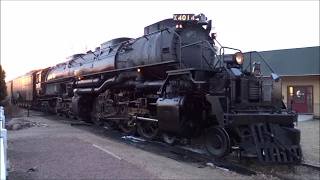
point(304, 91)
point(299, 70)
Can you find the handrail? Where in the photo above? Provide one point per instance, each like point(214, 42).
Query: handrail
point(3, 146)
point(135, 39)
point(109, 55)
point(180, 60)
point(213, 50)
point(192, 44)
point(219, 60)
point(261, 58)
point(110, 47)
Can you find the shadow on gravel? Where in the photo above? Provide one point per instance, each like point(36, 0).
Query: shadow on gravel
point(248, 167)
point(172, 152)
point(245, 167)
point(16, 175)
point(175, 153)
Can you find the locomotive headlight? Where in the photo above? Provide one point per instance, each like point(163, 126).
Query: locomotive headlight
point(239, 58)
point(234, 59)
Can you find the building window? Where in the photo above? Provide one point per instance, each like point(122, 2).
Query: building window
point(290, 96)
point(38, 78)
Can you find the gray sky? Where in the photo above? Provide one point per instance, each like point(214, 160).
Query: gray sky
point(37, 34)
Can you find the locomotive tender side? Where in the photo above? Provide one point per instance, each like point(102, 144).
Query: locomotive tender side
point(9, 97)
point(22, 89)
point(172, 82)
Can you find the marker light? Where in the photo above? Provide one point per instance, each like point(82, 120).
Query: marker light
point(179, 26)
point(213, 35)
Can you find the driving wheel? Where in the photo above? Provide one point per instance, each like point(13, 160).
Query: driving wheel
point(217, 142)
point(96, 121)
point(148, 130)
point(129, 130)
point(171, 140)
point(71, 115)
point(111, 124)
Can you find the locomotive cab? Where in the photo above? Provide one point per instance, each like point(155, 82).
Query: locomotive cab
point(40, 79)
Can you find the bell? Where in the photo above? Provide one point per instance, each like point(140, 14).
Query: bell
point(202, 19)
point(256, 70)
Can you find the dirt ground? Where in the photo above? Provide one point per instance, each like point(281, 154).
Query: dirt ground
point(310, 138)
point(165, 168)
point(310, 149)
point(49, 146)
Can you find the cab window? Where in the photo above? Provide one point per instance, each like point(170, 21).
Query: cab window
point(37, 78)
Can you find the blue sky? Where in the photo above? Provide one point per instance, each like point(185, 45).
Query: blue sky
point(37, 34)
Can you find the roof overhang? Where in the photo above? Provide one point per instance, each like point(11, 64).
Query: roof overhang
point(302, 75)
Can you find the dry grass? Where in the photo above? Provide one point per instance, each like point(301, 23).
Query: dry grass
point(13, 111)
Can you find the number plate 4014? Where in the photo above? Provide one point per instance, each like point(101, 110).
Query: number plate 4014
point(183, 17)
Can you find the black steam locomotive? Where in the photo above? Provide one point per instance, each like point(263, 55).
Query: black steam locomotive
point(173, 82)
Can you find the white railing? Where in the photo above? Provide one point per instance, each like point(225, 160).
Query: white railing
point(3, 145)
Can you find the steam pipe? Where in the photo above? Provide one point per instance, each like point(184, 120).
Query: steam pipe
point(88, 82)
point(145, 119)
point(98, 90)
point(150, 84)
point(115, 80)
point(141, 85)
point(105, 85)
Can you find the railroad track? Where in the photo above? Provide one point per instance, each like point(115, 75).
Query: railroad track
point(179, 153)
point(316, 167)
point(187, 154)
